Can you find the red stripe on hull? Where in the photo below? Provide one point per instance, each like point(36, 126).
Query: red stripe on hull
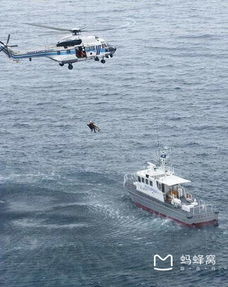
point(197, 225)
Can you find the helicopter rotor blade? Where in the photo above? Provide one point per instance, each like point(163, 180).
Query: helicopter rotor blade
point(8, 40)
point(99, 30)
point(49, 27)
point(82, 29)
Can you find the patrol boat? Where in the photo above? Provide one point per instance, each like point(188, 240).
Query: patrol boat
point(158, 190)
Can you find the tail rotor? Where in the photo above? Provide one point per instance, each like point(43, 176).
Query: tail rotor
point(7, 42)
point(5, 47)
point(8, 38)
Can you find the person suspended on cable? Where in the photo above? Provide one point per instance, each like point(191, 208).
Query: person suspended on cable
point(93, 127)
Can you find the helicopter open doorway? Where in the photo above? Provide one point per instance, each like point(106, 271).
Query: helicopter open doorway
point(80, 52)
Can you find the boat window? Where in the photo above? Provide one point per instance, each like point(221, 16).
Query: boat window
point(158, 185)
point(68, 51)
point(147, 175)
point(163, 187)
point(146, 181)
point(151, 183)
point(139, 179)
point(142, 179)
point(58, 52)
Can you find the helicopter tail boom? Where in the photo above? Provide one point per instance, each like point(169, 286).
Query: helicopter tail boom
point(25, 55)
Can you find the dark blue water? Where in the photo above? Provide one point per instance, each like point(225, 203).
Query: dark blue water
point(65, 217)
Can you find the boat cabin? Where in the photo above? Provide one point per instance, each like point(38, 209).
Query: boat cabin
point(164, 183)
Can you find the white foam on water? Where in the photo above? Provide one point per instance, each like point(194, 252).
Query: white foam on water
point(36, 223)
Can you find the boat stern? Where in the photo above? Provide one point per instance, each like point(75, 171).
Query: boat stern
point(204, 220)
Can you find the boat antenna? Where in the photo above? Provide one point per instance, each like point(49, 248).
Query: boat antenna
point(159, 148)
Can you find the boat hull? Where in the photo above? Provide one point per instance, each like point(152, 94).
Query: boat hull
point(213, 222)
point(163, 209)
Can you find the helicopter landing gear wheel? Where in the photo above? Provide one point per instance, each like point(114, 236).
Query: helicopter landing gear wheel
point(61, 64)
point(111, 55)
point(103, 61)
point(96, 59)
point(70, 66)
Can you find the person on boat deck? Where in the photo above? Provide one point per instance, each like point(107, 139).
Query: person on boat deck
point(93, 127)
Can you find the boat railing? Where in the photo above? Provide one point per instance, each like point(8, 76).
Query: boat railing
point(202, 208)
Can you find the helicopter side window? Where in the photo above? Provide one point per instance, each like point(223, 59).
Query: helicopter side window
point(142, 179)
point(151, 183)
point(146, 181)
point(90, 49)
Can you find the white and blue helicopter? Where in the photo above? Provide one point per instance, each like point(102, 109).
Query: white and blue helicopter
point(70, 49)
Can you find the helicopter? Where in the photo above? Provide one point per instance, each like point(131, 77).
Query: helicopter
point(70, 49)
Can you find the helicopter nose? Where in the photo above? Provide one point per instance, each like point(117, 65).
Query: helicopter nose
point(112, 49)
